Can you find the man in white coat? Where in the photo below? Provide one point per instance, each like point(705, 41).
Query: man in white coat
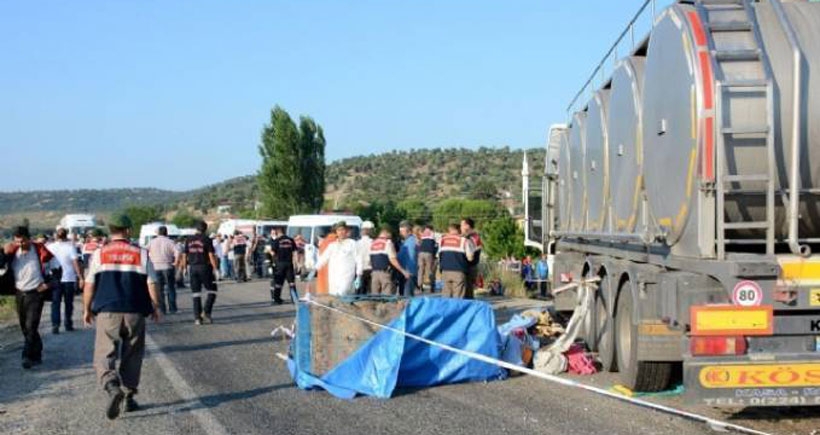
point(343, 263)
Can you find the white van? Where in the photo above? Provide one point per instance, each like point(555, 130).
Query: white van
point(149, 231)
point(263, 228)
point(314, 227)
point(78, 224)
point(231, 226)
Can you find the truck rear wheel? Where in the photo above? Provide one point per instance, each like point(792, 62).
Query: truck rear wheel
point(604, 327)
point(645, 376)
point(589, 334)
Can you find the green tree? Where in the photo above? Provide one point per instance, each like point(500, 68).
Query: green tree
point(502, 237)
point(453, 210)
point(183, 219)
point(381, 213)
point(312, 162)
point(484, 189)
point(446, 212)
point(416, 211)
point(292, 174)
point(482, 211)
point(141, 215)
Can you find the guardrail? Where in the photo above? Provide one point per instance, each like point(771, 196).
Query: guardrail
point(649, 9)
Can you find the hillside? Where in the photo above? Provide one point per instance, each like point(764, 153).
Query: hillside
point(429, 175)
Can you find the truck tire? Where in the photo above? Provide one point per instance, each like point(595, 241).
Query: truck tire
point(605, 338)
point(643, 376)
point(589, 325)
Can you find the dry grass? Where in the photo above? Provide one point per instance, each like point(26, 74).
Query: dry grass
point(512, 282)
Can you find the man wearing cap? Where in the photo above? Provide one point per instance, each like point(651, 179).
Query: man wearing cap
point(199, 254)
point(383, 259)
point(343, 263)
point(455, 254)
point(25, 260)
point(120, 292)
point(363, 247)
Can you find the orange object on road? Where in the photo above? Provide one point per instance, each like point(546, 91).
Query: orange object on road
point(321, 275)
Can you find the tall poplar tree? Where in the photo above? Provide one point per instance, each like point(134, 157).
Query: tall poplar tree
point(292, 176)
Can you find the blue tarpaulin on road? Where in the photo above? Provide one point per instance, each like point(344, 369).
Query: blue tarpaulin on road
point(389, 360)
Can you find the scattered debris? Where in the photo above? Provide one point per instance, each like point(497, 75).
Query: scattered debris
point(580, 362)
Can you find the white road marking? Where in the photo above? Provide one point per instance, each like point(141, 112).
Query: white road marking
point(203, 415)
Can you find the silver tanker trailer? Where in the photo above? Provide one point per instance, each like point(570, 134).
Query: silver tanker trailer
point(688, 181)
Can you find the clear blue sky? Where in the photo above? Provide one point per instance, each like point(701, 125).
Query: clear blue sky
point(173, 94)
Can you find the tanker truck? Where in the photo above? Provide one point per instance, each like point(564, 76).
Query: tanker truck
point(686, 184)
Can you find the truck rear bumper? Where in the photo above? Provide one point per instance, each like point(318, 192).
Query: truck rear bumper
point(778, 380)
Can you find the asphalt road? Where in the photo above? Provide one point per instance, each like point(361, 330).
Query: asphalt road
point(225, 379)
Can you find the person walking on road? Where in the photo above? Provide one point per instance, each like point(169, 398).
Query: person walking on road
point(343, 263)
point(363, 247)
point(181, 272)
point(281, 249)
point(240, 249)
point(71, 280)
point(227, 257)
point(25, 261)
point(93, 241)
point(120, 293)
point(199, 254)
point(217, 242)
point(427, 259)
point(468, 230)
point(384, 260)
point(455, 254)
point(408, 258)
point(162, 252)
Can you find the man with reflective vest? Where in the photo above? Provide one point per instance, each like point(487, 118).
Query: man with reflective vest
point(455, 254)
point(92, 243)
point(383, 260)
point(198, 253)
point(281, 248)
point(427, 259)
point(120, 292)
point(468, 231)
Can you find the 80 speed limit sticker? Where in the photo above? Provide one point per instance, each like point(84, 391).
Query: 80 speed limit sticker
point(747, 294)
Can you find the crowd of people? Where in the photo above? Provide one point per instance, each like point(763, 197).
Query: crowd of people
point(122, 284)
point(534, 274)
point(399, 264)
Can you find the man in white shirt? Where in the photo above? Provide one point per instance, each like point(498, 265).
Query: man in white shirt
point(163, 253)
point(71, 280)
point(363, 247)
point(343, 263)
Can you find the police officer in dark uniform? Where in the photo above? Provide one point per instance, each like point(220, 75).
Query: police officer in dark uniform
point(281, 249)
point(198, 253)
